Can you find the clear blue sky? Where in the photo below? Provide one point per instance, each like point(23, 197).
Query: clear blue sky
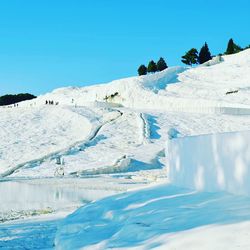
point(52, 43)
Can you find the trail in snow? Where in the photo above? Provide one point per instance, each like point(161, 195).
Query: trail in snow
point(145, 129)
point(33, 133)
point(72, 149)
point(96, 131)
point(107, 147)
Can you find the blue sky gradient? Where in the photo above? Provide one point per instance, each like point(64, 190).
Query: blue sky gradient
point(53, 43)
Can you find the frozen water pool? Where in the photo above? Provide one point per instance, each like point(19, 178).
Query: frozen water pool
point(22, 198)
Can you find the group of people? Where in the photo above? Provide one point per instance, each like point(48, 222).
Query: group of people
point(51, 102)
point(10, 106)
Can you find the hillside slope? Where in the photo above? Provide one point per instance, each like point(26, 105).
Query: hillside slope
point(110, 139)
point(201, 89)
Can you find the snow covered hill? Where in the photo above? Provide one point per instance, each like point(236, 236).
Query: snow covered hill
point(203, 89)
point(110, 139)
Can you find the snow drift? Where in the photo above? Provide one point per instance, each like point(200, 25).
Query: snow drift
point(160, 217)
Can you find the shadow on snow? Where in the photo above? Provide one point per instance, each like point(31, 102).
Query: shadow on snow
point(130, 219)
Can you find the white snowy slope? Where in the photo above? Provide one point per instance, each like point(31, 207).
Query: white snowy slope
point(117, 133)
point(32, 133)
point(202, 89)
point(110, 139)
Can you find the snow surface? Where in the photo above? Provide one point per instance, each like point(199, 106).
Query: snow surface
point(110, 139)
point(162, 217)
point(31, 133)
point(202, 89)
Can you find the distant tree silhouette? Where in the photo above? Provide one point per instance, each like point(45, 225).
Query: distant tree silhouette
point(191, 57)
point(152, 67)
point(161, 64)
point(204, 54)
point(232, 48)
point(11, 99)
point(142, 70)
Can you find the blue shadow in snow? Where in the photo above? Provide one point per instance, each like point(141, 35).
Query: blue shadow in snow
point(136, 165)
point(139, 216)
point(152, 122)
point(94, 142)
point(28, 235)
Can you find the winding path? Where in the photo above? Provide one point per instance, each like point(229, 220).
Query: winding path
point(77, 146)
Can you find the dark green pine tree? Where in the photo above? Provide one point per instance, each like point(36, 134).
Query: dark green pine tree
point(204, 54)
point(152, 67)
point(161, 64)
point(142, 70)
point(191, 57)
point(230, 47)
